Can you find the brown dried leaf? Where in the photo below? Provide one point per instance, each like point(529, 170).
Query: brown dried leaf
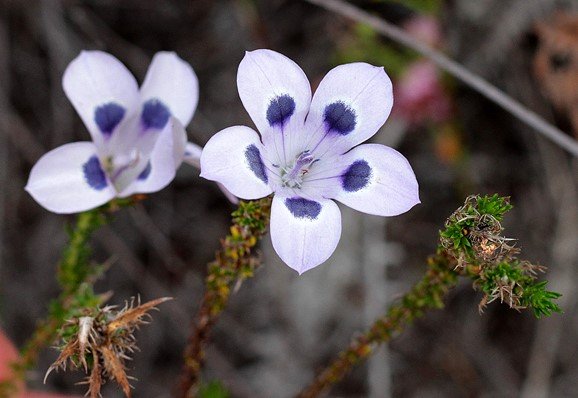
point(130, 316)
point(115, 368)
point(67, 352)
point(95, 381)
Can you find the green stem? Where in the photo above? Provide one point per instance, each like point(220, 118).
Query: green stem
point(74, 269)
point(234, 262)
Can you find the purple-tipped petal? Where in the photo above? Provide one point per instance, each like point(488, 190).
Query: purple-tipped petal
point(172, 82)
point(234, 157)
point(102, 90)
point(165, 158)
point(276, 94)
point(376, 179)
point(70, 179)
point(351, 103)
point(304, 232)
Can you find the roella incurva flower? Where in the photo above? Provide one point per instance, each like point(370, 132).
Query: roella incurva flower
point(138, 138)
point(308, 154)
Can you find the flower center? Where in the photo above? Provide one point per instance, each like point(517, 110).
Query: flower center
point(115, 166)
point(293, 174)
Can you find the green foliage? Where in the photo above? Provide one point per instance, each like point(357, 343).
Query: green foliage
point(421, 6)
point(365, 44)
point(213, 389)
point(540, 300)
point(504, 272)
point(495, 206)
point(479, 214)
point(252, 214)
point(74, 267)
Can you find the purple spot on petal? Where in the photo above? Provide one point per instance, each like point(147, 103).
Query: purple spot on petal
point(256, 165)
point(107, 117)
point(339, 118)
point(155, 114)
point(94, 175)
point(356, 176)
point(280, 110)
point(145, 173)
point(303, 208)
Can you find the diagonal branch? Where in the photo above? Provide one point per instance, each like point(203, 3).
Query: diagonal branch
point(532, 119)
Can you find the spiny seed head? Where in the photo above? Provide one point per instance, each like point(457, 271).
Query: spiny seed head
point(105, 338)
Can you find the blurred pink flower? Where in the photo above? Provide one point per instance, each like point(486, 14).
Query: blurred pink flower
point(425, 29)
point(420, 96)
point(8, 355)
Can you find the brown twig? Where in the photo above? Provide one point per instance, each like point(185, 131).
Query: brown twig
point(455, 69)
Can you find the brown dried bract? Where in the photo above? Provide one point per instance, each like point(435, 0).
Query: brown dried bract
point(102, 340)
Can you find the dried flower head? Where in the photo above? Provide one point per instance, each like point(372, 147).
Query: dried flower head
point(101, 341)
point(473, 237)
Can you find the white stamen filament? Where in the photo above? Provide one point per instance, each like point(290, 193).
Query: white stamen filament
point(115, 166)
point(292, 175)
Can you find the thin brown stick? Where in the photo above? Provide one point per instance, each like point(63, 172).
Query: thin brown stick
point(533, 120)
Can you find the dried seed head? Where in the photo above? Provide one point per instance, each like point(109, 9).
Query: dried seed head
point(105, 338)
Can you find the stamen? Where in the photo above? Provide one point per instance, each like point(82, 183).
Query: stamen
point(292, 176)
point(119, 166)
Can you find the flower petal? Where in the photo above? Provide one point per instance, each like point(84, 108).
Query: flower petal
point(131, 146)
point(102, 90)
point(165, 159)
point(233, 157)
point(277, 94)
point(193, 157)
point(69, 179)
point(351, 103)
point(304, 232)
point(172, 81)
point(375, 179)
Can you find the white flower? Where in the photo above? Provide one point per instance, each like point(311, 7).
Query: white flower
point(138, 138)
point(308, 152)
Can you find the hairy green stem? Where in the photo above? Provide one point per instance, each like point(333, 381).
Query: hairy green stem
point(234, 262)
point(73, 270)
point(427, 294)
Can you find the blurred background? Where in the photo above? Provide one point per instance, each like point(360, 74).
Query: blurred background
point(279, 327)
